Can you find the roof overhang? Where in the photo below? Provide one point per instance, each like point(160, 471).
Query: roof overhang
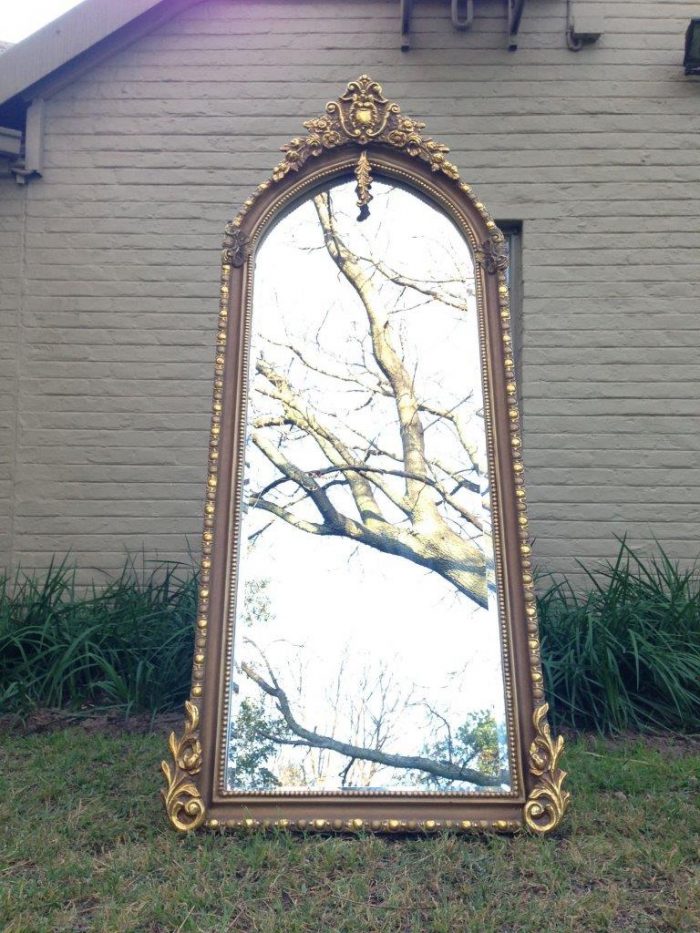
point(67, 39)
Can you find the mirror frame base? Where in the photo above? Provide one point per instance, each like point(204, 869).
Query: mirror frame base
point(543, 811)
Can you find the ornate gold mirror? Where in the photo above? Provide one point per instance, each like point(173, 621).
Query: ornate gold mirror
point(367, 652)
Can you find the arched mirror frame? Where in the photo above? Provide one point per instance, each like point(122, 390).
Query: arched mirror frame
point(365, 135)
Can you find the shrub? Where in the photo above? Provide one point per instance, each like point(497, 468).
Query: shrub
point(127, 644)
point(624, 653)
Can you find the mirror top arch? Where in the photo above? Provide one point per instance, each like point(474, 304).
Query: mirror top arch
point(389, 142)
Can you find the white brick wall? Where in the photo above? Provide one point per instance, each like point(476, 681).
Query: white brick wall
point(149, 153)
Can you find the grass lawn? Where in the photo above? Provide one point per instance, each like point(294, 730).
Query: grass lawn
point(84, 846)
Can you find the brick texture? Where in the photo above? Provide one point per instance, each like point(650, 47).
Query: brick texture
point(110, 262)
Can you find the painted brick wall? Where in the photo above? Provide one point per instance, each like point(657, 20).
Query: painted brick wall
point(149, 153)
point(11, 252)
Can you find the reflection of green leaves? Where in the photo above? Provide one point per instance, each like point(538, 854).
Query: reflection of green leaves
point(474, 744)
point(483, 736)
point(250, 746)
point(256, 603)
point(251, 732)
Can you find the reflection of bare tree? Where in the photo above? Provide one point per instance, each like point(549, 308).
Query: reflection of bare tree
point(372, 715)
point(367, 716)
point(290, 732)
point(400, 501)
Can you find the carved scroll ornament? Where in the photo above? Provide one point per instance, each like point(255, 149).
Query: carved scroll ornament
point(183, 802)
point(548, 801)
point(235, 246)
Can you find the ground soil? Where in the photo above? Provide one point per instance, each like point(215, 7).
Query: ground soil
point(91, 720)
point(114, 722)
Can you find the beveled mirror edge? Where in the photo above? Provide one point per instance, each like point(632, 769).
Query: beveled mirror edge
point(363, 117)
point(335, 168)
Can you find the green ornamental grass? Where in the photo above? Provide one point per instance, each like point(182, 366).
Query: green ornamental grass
point(620, 653)
point(126, 644)
point(623, 652)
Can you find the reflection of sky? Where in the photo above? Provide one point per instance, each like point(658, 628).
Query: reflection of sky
point(335, 605)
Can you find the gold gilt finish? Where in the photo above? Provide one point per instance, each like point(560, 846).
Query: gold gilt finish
point(547, 801)
point(363, 174)
point(183, 802)
point(364, 117)
point(376, 826)
point(492, 255)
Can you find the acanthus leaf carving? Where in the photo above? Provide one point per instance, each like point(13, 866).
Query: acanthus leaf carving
point(492, 254)
point(548, 801)
point(183, 802)
point(235, 246)
point(363, 174)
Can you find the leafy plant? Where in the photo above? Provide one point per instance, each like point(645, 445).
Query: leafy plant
point(127, 644)
point(625, 652)
point(621, 652)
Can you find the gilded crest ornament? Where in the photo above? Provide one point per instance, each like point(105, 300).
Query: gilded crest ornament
point(363, 111)
point(360, 116)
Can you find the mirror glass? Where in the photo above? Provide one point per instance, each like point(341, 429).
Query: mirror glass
point(366, 644)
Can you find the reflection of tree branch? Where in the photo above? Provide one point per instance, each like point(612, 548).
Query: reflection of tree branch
point(252, 538)
point(317, 367)
point(455, 418)
point(316, 740)
point(446, 724)
point(290, 518)
point(346, 770)
point(415, 284)
point(451, 415)
point(331, 445)
point(434, 531)
point(457, 476)
point(382, 471)
point(303, 479)
point(386, 357)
